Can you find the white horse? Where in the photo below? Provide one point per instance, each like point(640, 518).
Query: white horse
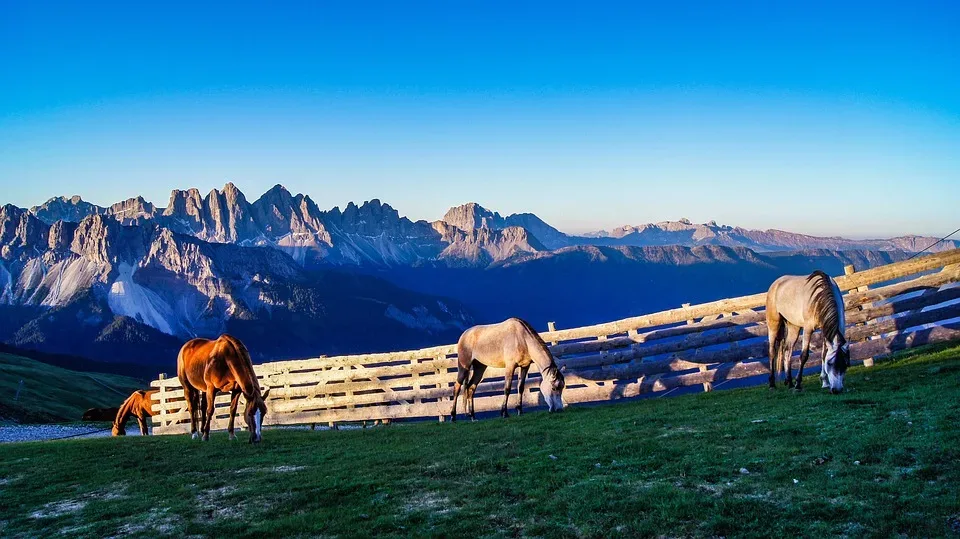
point(796, 302)
point(509, 344)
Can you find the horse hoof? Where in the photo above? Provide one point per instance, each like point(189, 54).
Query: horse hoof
point(206, 437)
point(233, 437)
point(194, 436)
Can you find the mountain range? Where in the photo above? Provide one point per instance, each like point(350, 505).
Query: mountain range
point(130, 282)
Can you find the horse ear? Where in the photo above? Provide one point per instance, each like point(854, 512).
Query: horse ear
point(563, 368)
point(265, 394)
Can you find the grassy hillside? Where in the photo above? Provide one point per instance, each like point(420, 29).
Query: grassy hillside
point(51, 393)
point(877, 461)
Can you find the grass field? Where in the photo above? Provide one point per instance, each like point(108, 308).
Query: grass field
point(54, 394)
point(878, 461)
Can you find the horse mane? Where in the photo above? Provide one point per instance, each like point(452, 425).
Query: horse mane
point(244, 355)
point(825, 305)
point(536, 335)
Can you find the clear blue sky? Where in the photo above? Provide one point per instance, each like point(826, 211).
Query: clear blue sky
point(816, 118)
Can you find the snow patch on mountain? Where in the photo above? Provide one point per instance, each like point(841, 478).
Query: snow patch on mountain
point(6, 280)
point(66, 279)
point(127, 298)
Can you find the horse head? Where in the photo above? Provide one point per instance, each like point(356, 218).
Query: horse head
point(551, 387)
point(255, 411)
point(836, 362)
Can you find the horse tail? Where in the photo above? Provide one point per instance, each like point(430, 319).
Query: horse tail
point(778, 345)
point(464, 361)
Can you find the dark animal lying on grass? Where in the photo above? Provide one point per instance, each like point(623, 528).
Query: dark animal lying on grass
point(100, 414)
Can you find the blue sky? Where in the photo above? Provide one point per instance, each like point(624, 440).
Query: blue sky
point(814, 118)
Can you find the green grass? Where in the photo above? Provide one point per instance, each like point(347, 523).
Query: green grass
point(658, 467)
point(51, 393)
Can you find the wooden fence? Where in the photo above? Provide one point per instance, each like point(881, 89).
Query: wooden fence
point(888, 308)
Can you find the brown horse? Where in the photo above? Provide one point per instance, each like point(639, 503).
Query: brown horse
point(509, 344)
point(138, 404)
point(796, 302)
point(206, 367)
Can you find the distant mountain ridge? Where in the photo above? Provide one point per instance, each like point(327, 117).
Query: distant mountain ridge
point(100, 288)
point(374, 233)
point(132, 281)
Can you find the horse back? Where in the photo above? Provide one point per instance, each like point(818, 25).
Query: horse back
point(192, 362)
point(494, 345)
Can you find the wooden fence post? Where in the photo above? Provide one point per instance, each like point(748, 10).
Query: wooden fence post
point(441, 384)
point(552, 326)
point(850, 269)
point(687, 306)
point(163, 400)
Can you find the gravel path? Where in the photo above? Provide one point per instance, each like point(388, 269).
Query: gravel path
point(36, 433)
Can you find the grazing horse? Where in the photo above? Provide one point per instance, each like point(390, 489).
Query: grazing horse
point(509, 344)
point(796, 302)
point(206, 367)
point(139, 404)
point(100, 414)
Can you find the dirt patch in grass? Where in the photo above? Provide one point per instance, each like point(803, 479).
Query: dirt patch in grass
point(429, 502)
point(74, 505)
point(156, 522)
point(213, 504)
point(58, 509)
point(4, 481)
point(272, 469)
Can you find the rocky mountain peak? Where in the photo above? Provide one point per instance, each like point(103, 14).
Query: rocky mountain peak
point(132, 210)
point(104, 241)
point(61, 208)
point(278, 213)
point(471, 216)
point(19, 229)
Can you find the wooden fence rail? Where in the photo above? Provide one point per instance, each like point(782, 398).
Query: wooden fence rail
point(888, 308)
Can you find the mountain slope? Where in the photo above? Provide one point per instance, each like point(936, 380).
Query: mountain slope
point(584, 285)
point(50, 393)
point(135, 293)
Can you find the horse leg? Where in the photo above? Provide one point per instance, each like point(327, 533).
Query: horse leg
point(804, 354)
point(211, 402)
point(142, 420)
point(507, 387)
point(520, 384)
point(192, 396)
point(824, 382)
point(201, 410)
point(774, 327)
point(793, 333)
point(462, 374)
point(475, 379)
point(233, 412)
